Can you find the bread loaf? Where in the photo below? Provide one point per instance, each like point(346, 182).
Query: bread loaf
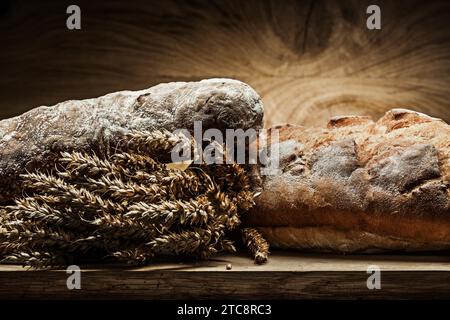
point(359, 186)
point(31, 140)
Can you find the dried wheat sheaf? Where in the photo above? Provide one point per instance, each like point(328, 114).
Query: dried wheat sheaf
point(128, 207)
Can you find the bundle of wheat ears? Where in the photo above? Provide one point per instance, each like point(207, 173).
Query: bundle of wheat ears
point(127, 206)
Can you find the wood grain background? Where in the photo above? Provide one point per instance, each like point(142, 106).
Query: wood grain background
point(309, 60)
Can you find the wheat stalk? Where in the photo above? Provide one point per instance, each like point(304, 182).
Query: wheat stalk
point(257, 244)
point(126, 206)
point(154, 142)
point(193, 212)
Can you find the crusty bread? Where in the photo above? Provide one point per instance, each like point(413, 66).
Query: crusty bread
point(34, 139)
point(360, 186)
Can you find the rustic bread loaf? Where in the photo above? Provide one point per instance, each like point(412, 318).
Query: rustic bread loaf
point(31, 140)
point(359, 186)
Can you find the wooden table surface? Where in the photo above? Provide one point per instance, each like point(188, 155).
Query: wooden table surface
point(288, 275)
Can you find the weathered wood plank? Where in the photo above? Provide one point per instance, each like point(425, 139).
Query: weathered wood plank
point(287, 276)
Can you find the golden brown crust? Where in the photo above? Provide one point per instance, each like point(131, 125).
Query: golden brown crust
point(388, 178)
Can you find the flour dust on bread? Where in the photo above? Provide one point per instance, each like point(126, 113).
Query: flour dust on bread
point(34, 139)
point(359, 186)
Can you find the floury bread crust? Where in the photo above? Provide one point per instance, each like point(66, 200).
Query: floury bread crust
point(31, 140)
point(360, 186)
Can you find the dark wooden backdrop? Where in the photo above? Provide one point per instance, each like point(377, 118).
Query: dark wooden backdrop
point(308, 59)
